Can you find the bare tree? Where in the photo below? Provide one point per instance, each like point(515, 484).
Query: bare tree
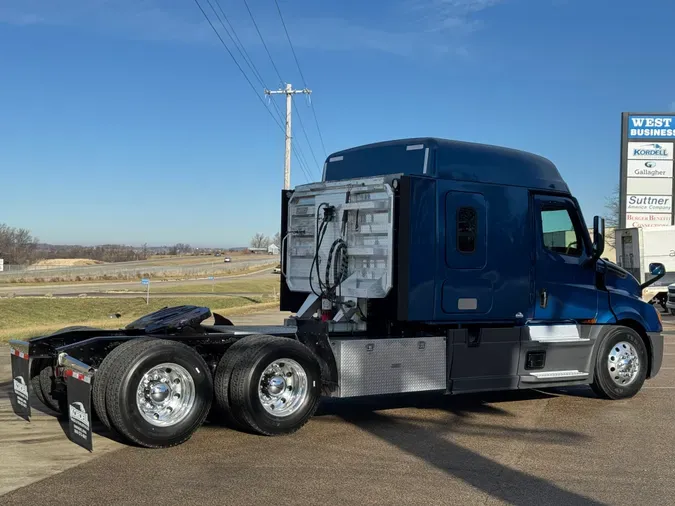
point(17, 245)
point(260, 241)
point(276, 240)
point(180, 249)
point(612, 214)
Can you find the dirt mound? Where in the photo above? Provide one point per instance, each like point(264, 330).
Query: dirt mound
point(65, 262)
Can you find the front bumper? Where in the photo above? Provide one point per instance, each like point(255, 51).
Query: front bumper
point(670, 302)
point(656, 341)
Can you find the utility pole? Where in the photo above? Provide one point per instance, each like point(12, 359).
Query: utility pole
point(289, 92)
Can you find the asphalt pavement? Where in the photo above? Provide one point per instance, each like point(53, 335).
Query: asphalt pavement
point(559, 447)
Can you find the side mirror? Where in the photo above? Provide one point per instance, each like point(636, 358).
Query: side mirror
point(657, 270)
point(598, 237)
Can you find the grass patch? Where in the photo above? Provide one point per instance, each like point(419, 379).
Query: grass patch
point(26, 317)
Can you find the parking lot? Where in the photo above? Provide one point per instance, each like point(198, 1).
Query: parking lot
point(536, 447)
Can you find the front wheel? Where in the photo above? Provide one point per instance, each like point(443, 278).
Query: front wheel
point(662, 299)
point(620, 365)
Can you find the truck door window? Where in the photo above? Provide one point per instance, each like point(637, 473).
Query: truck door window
point(559, 234)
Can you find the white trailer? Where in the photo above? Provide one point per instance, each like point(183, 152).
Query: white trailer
point(636, 248)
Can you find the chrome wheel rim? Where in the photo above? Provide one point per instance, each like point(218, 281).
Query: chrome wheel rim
point(623, 363)
point(165, 395)
point(283, 387)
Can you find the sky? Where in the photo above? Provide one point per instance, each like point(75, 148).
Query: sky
point(126, 121)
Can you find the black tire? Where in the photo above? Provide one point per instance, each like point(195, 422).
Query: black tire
point(603, 385)
point(36, 368)
point(245, 383)
point(672, 312)
point(42, 378)
point(47, 379)
point(222, 408)
point(662, 299)
point(100, 382)
point(131, 364)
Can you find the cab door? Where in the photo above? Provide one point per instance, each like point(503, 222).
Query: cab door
point(564, 279)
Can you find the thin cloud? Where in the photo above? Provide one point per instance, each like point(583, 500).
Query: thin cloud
point(456, 16)
point(412, 27)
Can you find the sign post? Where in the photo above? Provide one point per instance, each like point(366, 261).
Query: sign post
point(146, 282)
point(212, 282)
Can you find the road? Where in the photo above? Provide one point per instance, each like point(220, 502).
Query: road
point(104, 288)
point(557, 447)
point(177, 268)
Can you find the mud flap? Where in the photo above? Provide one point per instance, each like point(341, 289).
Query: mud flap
point(21, 383)
point(78, 386)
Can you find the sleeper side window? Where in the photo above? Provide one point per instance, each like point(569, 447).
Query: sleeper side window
point(465, 230)
point(559, 233)
point(467, 225)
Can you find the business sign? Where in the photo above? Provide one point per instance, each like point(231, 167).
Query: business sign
point(650, 151)
point(650, 168)
point(649, 203)
point(647, 186)
point(647, 220)
point(651, 127)
point(646, 182)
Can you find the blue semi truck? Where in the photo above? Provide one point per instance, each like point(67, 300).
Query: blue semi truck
point(415, 265)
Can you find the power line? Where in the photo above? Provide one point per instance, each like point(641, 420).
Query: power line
point(237, 42)
point(302, 76)
point(300, 157)
point(263, 42)
point(237, 64)
point(301, 160)
point(276, 69)
point(249, 61)
point(290, 43)
point(242, 51)
point(281, 80)
point(302, 127)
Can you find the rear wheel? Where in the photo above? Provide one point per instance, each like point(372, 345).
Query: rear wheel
point(620, 365)
point(101, 377)
point(159, 393)
point(42, 378)
point(222, 408)
point(275, 386)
